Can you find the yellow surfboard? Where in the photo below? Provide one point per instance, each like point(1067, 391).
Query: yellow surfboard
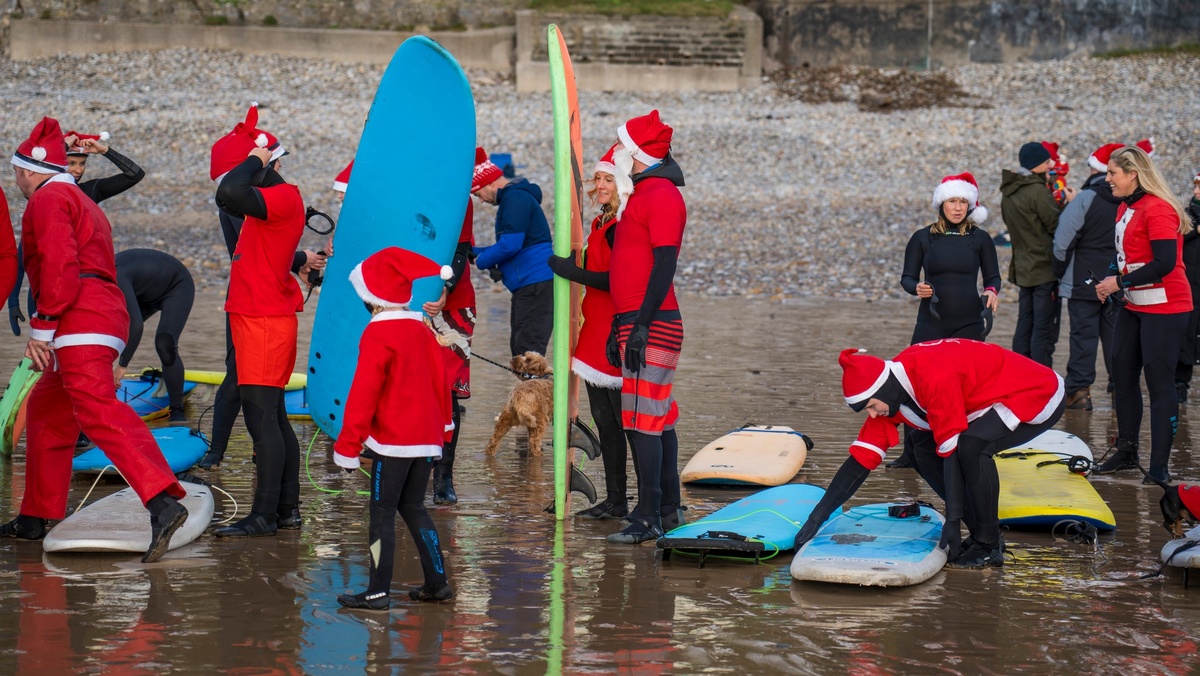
point(1038, 488)
point(298, 381)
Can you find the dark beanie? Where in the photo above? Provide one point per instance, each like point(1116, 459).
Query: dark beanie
point(1033, 154)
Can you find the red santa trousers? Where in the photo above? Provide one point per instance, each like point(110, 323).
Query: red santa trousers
point(78, 393)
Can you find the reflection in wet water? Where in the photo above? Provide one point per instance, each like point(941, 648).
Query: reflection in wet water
point(534, 597)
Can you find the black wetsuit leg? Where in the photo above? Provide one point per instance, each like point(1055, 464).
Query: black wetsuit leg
point(1148, 343)
point(176, 307)
point(605, 404)
point(398, 485)
point(443, 468)
point(228, 402)
point(648, 458)
point(671, 493)
point(289, 483)
point(262, 406)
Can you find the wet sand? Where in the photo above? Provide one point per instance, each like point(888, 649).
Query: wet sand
point(535, 598)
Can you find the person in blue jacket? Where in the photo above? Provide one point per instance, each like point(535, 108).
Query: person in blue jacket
point(519, 256)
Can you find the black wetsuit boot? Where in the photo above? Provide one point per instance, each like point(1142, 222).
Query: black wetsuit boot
point(24, 528)
point(443, 469)
point(645, 523)
point(166, 516)
point(605, 404)
point(671, 509)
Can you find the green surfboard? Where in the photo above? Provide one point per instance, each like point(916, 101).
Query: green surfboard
point(19, 385)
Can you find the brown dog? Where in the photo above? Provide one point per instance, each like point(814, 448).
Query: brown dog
point(531, 402)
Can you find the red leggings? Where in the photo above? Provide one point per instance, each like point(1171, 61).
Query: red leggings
point(79, 393)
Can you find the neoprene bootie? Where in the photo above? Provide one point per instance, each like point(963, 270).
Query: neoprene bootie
point(253, 525)
point(979, 555)
point(613, 507)
point(166, 516)
point(443, 486)
point(177, 414)
point(24, 528)
point(211, 459)
point(1123, 455)
point(638, 531)
point(287, 517)
point(365, 601)
point(431, 593)
point(674, 519)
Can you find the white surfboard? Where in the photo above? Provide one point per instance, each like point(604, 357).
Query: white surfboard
point(1187, 558)
point(761, 455)
point(1058, 442)
point(120, 523)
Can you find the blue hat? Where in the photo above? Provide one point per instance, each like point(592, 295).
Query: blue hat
point(1033, 154)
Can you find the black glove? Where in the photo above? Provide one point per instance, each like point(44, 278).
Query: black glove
point(635, 347)
point(806, 533)
point(15, 316)
point(612, 349)
point(563, 266)
point(495, 274)
point(951, 540)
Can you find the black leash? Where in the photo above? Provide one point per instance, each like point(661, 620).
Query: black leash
point(522, 376)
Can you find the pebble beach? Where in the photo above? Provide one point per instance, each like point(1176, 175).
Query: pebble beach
point(786, 199)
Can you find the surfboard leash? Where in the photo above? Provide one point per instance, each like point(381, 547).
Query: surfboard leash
point(307, 471)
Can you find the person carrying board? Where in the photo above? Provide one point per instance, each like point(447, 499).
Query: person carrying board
point(399, 413)
point(647, 330)
point(79, 329)
point(965, 401)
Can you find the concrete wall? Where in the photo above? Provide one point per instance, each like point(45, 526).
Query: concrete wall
point(644, 53)
point(489, 49)
point(897, 32)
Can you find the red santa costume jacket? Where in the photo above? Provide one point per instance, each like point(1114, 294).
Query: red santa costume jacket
point(260, 277)
point(72, 268)
point(954, 382)
point(399, 405)
point(590, 361)
point(459, 315)
point(654, 216)
point(1151, 218)
point(8, 247)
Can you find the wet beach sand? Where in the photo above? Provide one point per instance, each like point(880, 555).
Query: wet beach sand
point(534, 597)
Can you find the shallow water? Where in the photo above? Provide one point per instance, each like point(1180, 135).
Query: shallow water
point(534, 597)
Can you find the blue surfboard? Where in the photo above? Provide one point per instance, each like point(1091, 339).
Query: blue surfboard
point(295, 402)
point(181, 446)
point(866, 546)
point(755, 527)
point(147, 395)
point(409, 188)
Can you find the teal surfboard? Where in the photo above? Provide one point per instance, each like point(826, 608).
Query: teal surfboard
point(409, 188)
point(147, 395)
point(866, 546)
point(181, 446)
point(755, 527)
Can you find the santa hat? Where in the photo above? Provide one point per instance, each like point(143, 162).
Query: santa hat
point(486, 173)
point(646, 138)
point(862, 376)
point(343, 178)
point(386, 277)
point(44, 151)
point(1146, 144)
point(1061, 167)
point(1197, 179)
point(233, 148)
point(624, 183)
point(961, 185)
point(1098, 160)
point(78, 149)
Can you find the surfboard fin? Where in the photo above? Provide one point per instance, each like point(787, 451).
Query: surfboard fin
point(583, 438)
point(580, 483)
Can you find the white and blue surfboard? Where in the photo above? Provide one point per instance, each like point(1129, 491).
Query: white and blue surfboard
point(865, 546)
point(409, 188)
point(182, 447)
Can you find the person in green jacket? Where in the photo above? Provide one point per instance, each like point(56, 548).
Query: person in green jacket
point(1031, 214)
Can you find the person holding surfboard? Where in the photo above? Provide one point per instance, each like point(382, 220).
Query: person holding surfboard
point(261, 303)
point(398, 413)
point(154, 282)
point(1150, 324)
point(967, 400)
point(78, 331)
point(610, 189)
point(951, 255)
point(519, 254)
point(647, 327)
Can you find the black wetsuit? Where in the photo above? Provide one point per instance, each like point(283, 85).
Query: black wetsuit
point(952, 264)
point(98, 189)
point(156, 282)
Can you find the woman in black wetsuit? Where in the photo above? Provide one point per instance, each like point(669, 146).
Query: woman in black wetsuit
point(951, 254)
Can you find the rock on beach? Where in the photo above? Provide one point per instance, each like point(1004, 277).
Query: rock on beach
point(786, 199)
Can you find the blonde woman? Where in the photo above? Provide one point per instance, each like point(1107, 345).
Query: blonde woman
point(1151, 223)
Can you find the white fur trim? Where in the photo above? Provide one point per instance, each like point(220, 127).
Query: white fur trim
point(1096, 164)
point(446, 273)
point(62, 178)
point(911, 417)
point(947, 447)
point(104, 136)
point(278, 152)
point(623, 176)
point(44, 335)
point(261, 141)
point(593, 376)
point(1051, 405)
point(638, 154)
point(870, 447)
point(254, 104)
point(603, 167)
point(391, 315)
point(866, 394)
point(980, 214)
point(340, 186)
point(404, 450)
point(73, 339)
point(956, 188)
point(23, 163)
point(360, 287)
point(38, 153)
point(345, 462)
